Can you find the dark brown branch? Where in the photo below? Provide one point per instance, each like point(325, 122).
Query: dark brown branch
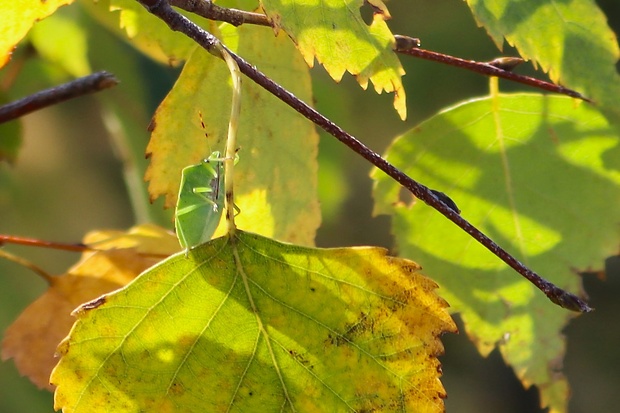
point(485, 68)
point(211, 11)
point(180, 23)
point(78, 87)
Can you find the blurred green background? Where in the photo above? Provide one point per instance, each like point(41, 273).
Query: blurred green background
point(68, 180)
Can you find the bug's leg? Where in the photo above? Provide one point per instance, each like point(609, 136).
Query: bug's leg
point(217, 157)
point(201, 192)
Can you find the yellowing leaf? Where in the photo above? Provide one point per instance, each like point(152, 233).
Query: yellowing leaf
point(250, 324)
point(32, 339)
point(276, 177)
point(147, 33)
point(334, 32)
point(541, 176)
point(17, 18)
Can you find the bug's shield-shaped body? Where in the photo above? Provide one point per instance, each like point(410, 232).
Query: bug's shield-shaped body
point(200, 202)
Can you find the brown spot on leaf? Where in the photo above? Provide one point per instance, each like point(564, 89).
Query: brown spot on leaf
point(91, 305)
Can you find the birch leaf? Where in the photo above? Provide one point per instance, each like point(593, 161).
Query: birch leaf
point(539, 175)
point(119, 257)
point(250, 324)
point(17, 18)
point(569, 39)
point(335, 34)
point(276, 176)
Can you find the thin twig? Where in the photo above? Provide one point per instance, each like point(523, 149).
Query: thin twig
point(180, 23)
point(25, 263)
point(78, 87)
point(485, 68)
point(32, 242)
point(63, 246)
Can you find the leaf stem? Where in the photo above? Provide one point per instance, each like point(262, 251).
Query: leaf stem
point(231, 141)
point(25, 263)
point(178, 22)
point(507, 173)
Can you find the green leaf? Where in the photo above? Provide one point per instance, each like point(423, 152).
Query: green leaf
point(334, 32)
point(250, 324)
point(60, 39)
point(276, 179)
point(539, 175)
point(17, 18)
point(570, 39)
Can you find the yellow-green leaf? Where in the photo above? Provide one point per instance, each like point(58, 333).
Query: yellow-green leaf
point(335, 34)
point(569, 39)
point(276, 177)
point(147, 33)
point(541, 176)
point(248, 324)
point(17, 18)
